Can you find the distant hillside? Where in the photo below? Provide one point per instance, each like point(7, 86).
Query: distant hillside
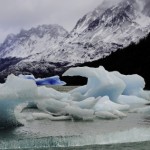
point(134, 59)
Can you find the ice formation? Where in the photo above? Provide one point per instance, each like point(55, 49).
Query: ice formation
point(55, 80)
point(107, 95)
point(100, 82)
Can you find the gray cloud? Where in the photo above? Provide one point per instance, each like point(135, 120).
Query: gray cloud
point(18, 14)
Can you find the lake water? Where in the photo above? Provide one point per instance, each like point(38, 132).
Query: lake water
point(132, 132)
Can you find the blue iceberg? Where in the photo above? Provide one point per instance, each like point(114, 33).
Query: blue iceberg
point(54, 80)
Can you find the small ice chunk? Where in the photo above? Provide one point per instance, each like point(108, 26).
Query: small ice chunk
point(104, 104)
point(41, 116)
point(54, 80)
point(87, 103)
point(78, 113)
point(145, 110)
point(131, 100)
point(51, 105)
point(44, 92)
point(105, 115)
point(119, 113)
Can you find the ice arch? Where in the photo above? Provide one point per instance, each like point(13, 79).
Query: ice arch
point(100, 82)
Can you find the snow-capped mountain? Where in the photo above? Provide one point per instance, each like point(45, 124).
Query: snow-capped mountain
point(100, 32)
point(107, 28)
point(36, 41)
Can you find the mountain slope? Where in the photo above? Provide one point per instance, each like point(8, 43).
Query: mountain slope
point(98, 34)
point(50, 49)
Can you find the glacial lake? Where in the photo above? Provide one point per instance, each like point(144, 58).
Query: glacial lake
point(132, 132)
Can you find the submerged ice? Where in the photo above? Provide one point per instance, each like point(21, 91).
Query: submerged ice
point(107, 95)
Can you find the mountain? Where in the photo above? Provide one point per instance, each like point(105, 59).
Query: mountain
point(44, 39)
point(50, 49)
point(100, 32)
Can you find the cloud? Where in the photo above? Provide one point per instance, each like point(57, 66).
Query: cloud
point(34, 11)
point(18, 14)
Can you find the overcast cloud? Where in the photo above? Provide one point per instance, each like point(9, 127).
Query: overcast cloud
point(24, 14)
point(18, 14)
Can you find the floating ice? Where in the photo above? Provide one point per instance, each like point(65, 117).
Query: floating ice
point(51, 105)
point(145, 109)
point(13, 94)
point(134, 83)
point(45, 93)
point(104, 104)
point(79, 113)
point(88, 103)
point(107, 95)
point(41, 116)
point(55, 80)
point(111, 109)
point(100, 82)
point(131, 100)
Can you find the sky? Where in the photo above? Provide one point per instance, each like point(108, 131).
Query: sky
point(24, 14)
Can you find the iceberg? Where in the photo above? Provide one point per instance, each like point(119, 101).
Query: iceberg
point(107, 95)
point(15, 95)
point(100, 82)
point(55, 80)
